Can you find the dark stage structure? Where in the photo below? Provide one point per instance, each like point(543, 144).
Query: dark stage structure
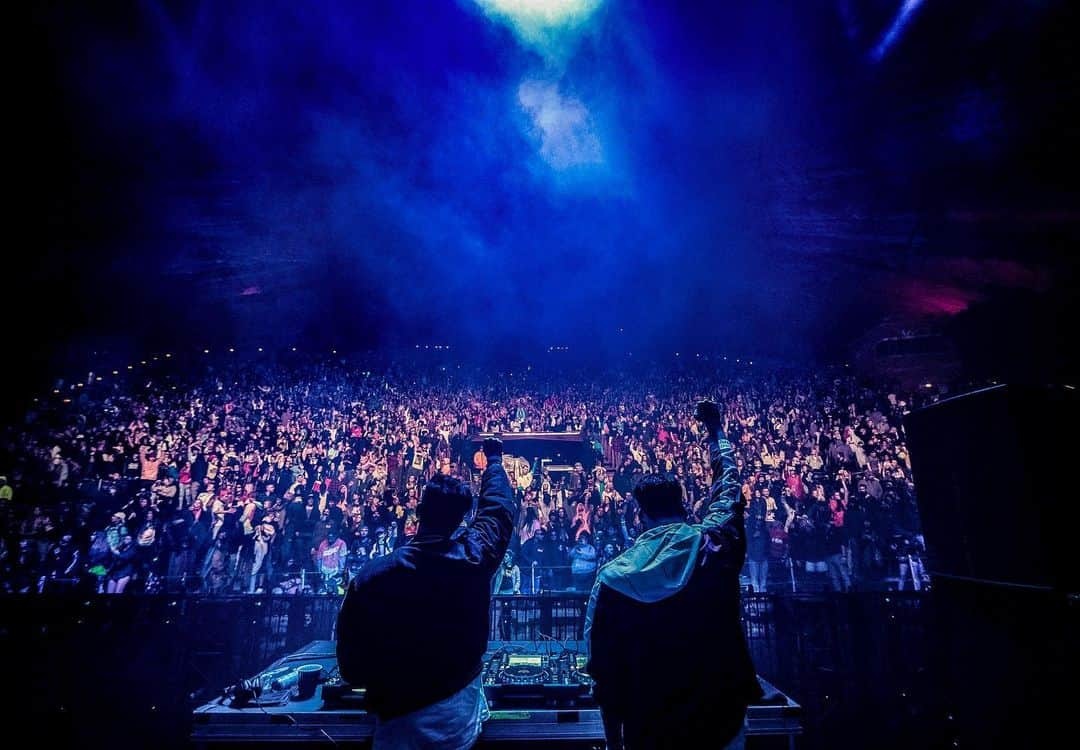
point(535, 703)
point(1004, 602)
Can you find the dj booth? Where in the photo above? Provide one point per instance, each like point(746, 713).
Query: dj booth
point(558, 450)
point(538, 693)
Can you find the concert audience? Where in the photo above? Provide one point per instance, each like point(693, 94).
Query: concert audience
point(272, 478)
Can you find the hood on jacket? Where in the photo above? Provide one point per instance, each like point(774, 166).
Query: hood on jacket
point(658, 565)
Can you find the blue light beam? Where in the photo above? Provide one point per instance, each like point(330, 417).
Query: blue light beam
point(896, 30)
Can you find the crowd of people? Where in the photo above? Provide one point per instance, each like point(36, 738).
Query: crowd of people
point(284, 478)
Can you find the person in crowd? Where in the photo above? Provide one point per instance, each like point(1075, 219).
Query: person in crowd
point(122, 568)
point(293, 545)
point(330, 559)
point(381, 547)
point(164, 492)
point(215, 570)
point(508, 577)
point(608, 553)
point(816, 542)
point(541, 558)
point(262, 565)
point(758, 542)
point(908, 549)
point(834, 545)
point(147, 548)
point(679, 583)
point(149, 463)
point(115, 532)
point(98, 558)
point(63, 567)
point(179, 544)
point(530, 523)
point(361, 542)
point(433, 592)
point(183, 485)
point(583, 562)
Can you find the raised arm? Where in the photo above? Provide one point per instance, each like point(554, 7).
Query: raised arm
point(496, 510)
point(725, 500)
point(723, 522)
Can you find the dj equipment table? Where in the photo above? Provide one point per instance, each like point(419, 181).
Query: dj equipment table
point(539, 698)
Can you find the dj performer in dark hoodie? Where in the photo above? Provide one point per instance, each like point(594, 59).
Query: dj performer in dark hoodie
point(434, 594)
point(666, 645)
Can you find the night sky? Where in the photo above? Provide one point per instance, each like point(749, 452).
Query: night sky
point(768, 178)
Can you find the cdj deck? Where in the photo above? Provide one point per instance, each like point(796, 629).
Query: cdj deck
point(538, 693)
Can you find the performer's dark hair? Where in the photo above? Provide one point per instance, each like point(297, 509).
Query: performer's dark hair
point(444, 502)
point(660, 495)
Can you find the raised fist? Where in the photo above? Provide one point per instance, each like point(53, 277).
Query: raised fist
point(493, 447)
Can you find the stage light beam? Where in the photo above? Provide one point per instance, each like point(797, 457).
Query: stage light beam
point(896, 29)
point(547, 26)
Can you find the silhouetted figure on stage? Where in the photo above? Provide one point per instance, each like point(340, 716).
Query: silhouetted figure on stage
point(414, 624)
point(666, 645)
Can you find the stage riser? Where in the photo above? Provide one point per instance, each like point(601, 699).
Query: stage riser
point(312, 721)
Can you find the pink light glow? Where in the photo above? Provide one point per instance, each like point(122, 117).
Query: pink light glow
point(922, 297)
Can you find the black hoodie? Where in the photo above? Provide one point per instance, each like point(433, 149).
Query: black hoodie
point(433, 593)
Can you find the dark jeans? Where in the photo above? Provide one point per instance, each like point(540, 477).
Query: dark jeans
point(759, 574)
